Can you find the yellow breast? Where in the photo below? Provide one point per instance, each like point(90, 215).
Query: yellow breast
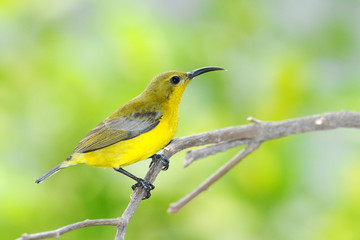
point(133, 150)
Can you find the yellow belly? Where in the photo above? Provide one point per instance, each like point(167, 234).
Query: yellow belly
point(130, 151)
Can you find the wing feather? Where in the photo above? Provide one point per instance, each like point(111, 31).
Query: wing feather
point(114, 130)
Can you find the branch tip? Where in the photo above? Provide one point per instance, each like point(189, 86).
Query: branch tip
point(254, 120)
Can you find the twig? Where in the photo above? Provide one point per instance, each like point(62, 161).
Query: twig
point(194, 155)
point(87, 223)
point(253, 133)
point(254, 120)
point(175, 207)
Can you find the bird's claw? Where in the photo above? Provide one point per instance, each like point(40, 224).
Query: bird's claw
point(162, 158)
point(148, 186)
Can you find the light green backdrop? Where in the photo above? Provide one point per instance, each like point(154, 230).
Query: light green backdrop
point(66, 65)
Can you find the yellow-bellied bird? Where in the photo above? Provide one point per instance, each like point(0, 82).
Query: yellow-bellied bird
point(137, 130)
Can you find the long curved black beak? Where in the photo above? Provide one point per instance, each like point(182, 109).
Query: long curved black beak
point(199, 71)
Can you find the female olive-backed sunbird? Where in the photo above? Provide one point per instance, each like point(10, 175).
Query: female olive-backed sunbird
point(137, 130)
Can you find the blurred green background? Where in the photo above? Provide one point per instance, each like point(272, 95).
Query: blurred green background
point(66, 65)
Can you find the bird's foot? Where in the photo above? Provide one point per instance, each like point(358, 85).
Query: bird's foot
point(148, 186)
point(162, 158)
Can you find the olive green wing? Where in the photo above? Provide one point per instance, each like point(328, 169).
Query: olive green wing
point(114, 130)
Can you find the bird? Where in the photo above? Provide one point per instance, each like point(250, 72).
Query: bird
point(137, 130)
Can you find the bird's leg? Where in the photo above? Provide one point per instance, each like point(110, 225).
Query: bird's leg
point(140, 182)
point(162, 158)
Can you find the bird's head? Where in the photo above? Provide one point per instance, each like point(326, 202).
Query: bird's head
point(171, 85)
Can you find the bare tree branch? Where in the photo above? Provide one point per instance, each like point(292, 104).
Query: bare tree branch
point(263, 131)
point(87, 223)
point(175, 207)
point(221, 139)
point(225, 138)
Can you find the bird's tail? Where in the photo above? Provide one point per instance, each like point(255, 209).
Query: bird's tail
point(49, 173)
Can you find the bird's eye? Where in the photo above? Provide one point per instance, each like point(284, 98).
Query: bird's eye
point(175, 80)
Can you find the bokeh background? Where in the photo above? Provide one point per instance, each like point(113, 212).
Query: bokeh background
point(67, 64)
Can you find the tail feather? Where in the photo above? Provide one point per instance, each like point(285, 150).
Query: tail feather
point(49, 173)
